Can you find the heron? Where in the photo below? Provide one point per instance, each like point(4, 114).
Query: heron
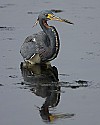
point(42, 47)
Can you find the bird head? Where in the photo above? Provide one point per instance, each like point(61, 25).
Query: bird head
point(48, 15)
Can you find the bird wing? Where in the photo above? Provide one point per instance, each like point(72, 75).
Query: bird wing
point(28, 49)
point(36, 43)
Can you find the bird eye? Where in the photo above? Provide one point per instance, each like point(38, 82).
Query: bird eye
point(46, 15)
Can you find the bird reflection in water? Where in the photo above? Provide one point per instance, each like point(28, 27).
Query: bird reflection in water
point(43, 81)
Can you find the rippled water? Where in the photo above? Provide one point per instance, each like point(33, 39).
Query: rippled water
point(68, 92)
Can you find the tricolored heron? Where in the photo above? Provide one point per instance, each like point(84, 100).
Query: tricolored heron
point(43, 46)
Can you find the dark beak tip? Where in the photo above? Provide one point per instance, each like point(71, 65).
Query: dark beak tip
point(67, 21)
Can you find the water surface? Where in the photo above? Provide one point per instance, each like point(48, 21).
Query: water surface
point(68, 92)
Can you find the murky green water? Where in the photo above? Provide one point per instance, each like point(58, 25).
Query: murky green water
point(68, 92)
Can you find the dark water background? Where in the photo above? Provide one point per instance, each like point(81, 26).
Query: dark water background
point(78, 64)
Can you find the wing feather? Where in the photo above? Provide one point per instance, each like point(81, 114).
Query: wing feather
point(36, 43)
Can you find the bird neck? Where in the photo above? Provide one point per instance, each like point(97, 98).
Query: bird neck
point(53, 36)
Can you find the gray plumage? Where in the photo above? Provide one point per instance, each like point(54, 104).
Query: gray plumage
point(36, 44)
point(44, 46)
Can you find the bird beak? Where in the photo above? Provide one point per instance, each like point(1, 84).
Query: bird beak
point(53, 17)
